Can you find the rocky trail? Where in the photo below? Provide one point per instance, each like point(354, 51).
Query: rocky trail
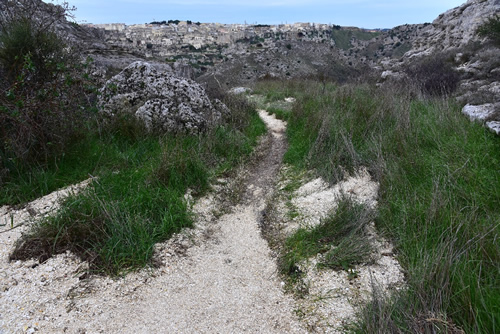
point(221, 277)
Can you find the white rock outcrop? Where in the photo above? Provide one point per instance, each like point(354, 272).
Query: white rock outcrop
point(493, 126)
point(164, 102)
point(240, 90)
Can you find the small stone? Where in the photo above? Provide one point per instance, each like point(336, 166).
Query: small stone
point(494, 126)
point(240, 90)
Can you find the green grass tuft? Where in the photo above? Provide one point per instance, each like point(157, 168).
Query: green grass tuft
point(341, 238)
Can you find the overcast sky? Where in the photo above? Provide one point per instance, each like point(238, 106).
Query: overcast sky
point(359, 13)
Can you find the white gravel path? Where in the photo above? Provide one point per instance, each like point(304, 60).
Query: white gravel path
point(219, 278)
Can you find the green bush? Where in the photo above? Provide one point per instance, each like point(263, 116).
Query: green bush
point(25, 52)
point(44, 93)
point(491, 29)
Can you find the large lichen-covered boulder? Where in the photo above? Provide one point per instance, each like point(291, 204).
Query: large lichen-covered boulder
point(164, 102)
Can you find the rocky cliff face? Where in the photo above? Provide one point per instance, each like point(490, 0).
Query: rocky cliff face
point(289, 60)
point(204, 46)
point(455, 28)
point(452, 39)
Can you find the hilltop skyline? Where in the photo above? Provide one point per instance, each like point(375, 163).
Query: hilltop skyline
point(359, 13)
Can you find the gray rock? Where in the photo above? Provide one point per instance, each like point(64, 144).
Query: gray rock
point(494, 126)
point(488, 114)
point(388, 75)
point(164, 102)
point(240, 90)
point(479, 113)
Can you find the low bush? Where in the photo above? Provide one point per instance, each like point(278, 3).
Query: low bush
point(434, 75)
point(491, 29)
point(340, 238)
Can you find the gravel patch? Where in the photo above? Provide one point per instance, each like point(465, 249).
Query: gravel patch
point(327, 300)
point(316, 198)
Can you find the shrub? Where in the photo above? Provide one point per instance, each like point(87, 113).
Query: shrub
point(434, 74)
point(42, 100)
point(491, 29)
point(20, 42)
point(28, 27)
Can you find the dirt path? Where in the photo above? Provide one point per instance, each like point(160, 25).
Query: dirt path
point(221, 279)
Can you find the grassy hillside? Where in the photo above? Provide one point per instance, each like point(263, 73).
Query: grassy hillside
point(438, 199)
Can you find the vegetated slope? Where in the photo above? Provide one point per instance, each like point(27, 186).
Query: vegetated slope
point(450, 31)
point(452, 45)
point(438, 199)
